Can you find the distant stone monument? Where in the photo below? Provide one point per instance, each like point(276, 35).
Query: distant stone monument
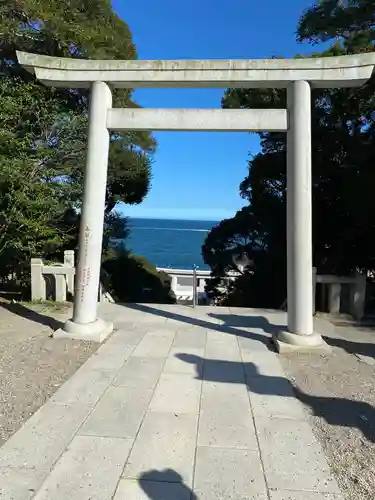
point(297, 75)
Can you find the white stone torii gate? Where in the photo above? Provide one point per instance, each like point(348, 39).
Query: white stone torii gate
point(297, 75)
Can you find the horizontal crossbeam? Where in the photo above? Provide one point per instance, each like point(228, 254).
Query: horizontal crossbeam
point(198, 120)
point(342, 71)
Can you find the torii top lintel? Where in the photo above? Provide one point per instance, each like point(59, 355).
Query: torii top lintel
point(321, 72)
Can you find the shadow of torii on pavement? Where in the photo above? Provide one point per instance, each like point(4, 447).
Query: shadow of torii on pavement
point(335, 411)
point(255, 322)
point(165, 485)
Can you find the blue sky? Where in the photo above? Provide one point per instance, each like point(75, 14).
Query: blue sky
point(195, 174)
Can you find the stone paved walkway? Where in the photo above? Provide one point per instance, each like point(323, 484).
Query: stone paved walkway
point(178, 404)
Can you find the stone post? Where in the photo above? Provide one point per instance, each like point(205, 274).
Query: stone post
point(69, 262)
point(314, 289)
point(358, 297)
point(300, 332)
point(38, 283)
point(60, 287)
point(85, 325)
point(334, 298)
point(174, 284)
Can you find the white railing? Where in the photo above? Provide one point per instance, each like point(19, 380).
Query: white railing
point(190, 285)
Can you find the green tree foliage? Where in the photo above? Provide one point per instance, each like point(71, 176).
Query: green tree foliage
point(131, 278)
point(343, 179)
point(351, 22)
point(43, 130)
point(33, 194)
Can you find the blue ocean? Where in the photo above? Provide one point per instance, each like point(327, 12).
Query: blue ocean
point(169, 243)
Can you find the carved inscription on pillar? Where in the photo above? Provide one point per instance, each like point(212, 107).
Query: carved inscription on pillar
point(85, 269)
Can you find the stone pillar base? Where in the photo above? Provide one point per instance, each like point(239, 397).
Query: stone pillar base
point(286, 342)
point(91, 332)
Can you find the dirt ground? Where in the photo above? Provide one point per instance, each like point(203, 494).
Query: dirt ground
point(33, 365)
point(339, 392)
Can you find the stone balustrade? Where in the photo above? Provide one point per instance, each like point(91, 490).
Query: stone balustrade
point(57, 280)
point(332, 293)
point(53, 279)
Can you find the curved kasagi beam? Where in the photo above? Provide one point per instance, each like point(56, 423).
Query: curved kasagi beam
point(321, 72)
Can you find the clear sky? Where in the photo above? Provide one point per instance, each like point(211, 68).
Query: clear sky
point(196, 174)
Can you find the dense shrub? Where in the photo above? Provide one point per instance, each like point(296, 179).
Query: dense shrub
point(132, 278)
